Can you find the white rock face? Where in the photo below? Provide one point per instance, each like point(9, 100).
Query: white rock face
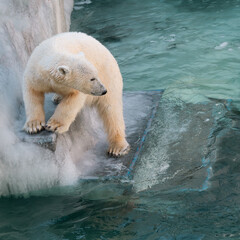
point(23, 25)
point(26, 23)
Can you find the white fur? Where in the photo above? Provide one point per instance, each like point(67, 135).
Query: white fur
point(79, 69)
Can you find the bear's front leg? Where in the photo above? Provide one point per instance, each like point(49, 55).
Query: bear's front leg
point(66, 112)
point(34, 107)
point(112, 116)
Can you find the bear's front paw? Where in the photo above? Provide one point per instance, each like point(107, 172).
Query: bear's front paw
point(118, 149)
point(34, 126)
point(54, 125)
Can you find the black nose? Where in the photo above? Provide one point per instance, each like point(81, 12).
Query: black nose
point(104, 92)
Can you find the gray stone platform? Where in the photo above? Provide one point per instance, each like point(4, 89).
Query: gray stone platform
point(87, 138)
point(173, 144)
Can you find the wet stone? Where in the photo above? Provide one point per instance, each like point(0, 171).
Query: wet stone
point(138, 110)
point(172, 143)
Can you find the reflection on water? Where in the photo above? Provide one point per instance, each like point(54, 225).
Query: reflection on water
point(186, 183)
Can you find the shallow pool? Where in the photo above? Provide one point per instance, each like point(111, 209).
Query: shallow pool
point(186, 183)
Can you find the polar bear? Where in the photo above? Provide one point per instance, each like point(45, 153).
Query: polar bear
point(81, 71)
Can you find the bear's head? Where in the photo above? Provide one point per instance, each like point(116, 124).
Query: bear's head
point(78, 73)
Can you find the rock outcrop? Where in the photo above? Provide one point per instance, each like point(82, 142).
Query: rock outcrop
point(23, 25)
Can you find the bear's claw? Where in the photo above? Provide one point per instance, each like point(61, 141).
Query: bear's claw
point(118, 152)
point(54, 125)
point(34, 126)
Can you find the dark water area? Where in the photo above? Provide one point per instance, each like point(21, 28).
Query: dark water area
point(186, 184)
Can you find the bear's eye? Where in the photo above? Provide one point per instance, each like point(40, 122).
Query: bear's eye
point(92, 79)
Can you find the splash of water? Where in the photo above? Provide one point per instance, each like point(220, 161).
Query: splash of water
point(27, 167)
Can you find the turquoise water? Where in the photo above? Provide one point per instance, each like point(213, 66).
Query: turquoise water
point(191, 49)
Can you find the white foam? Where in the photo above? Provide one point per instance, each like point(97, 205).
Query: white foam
point(26, 168)
point(77, 8)
point(221, 46)
point(154, 165)
point(83, 2)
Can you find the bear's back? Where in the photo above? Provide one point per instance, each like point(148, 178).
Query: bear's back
point(74, 43)
point(59, 48)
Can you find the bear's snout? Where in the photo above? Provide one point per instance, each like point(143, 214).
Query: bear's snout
point(100, 93)
point(104, 92)
point(98, 89)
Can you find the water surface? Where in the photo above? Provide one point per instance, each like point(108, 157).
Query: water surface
point(191, 49)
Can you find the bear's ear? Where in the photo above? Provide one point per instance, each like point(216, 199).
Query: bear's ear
point(63, 70)
point(81, 54)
